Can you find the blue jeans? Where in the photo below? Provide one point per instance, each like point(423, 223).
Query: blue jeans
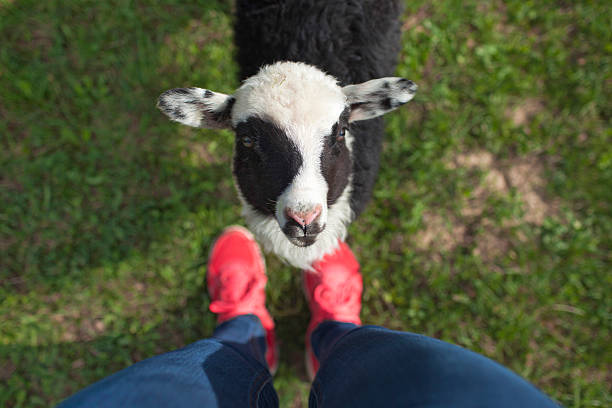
point(361, 366)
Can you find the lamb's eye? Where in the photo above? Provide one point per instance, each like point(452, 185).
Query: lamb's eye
point(247, 141)
point(341, 134)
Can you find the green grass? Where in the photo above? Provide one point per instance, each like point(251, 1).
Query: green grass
point(490, 227)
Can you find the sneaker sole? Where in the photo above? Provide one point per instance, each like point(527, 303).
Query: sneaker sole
point(308, 362)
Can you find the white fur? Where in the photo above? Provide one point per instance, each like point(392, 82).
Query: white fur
point(295, 95)
point(272, 238)
point(305, 103)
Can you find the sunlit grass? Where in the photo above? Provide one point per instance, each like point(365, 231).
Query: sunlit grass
point(490, 225)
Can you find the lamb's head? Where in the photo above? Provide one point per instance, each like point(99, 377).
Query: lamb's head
point(292, 161)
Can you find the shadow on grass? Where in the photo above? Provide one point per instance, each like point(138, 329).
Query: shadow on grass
point(44, 375)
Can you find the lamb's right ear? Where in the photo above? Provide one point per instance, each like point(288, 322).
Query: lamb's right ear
point(197, 107)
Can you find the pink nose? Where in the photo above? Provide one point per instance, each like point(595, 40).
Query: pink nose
point(304, 218)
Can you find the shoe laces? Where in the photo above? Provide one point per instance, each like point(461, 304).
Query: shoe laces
point(339, 298)
point(235, 294)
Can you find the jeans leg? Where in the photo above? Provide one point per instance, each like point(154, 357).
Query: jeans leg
point(226, 370)
point(372, 366)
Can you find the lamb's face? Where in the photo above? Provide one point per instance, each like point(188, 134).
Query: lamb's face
point(292, 160)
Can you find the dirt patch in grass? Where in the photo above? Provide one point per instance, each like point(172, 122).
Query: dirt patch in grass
point(40, 38)
point(10, 184)
point(522, 113)
point(414, 21)
point(524, 174)
point(474, 227)
point(77, 326)
point(81, 319)
point(7, 368)
point(440, 233)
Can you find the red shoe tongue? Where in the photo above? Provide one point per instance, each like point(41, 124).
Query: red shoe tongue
point(234, 285)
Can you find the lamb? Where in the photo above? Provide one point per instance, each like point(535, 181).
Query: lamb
point(306, 117)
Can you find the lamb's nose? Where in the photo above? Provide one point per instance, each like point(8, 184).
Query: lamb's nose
point(304, 218)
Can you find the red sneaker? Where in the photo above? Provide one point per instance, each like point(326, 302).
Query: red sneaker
point(236, 279)
point(333, 291)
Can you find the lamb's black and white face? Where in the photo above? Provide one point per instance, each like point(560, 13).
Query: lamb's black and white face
point(292, 160)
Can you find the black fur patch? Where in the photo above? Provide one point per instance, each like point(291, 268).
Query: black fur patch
point(161, 103)
point(336, 160)
point(177, 113)
point(372, 106)
point(264, 170)
point(224, 115)
point(390, 103)
point(408, 84)
point(378, 101)
point(387, 103)
point(362, 105)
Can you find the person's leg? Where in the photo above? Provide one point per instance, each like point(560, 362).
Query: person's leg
point(228, 370)
point(333, 289)
point(365, 366)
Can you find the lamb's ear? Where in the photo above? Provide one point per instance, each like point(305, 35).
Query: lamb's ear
point(197, 107)
point(378, 96)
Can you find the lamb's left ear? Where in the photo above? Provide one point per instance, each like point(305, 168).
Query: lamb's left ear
point(378, 96)
point(197, 107)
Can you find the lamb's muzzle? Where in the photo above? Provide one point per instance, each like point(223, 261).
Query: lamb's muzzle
point(303, 227)
point(304, 218)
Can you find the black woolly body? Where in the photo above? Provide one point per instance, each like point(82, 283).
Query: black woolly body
point(353, 40)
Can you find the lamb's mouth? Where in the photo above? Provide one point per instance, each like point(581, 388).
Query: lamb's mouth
point(303, 241)
point(302, 236)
